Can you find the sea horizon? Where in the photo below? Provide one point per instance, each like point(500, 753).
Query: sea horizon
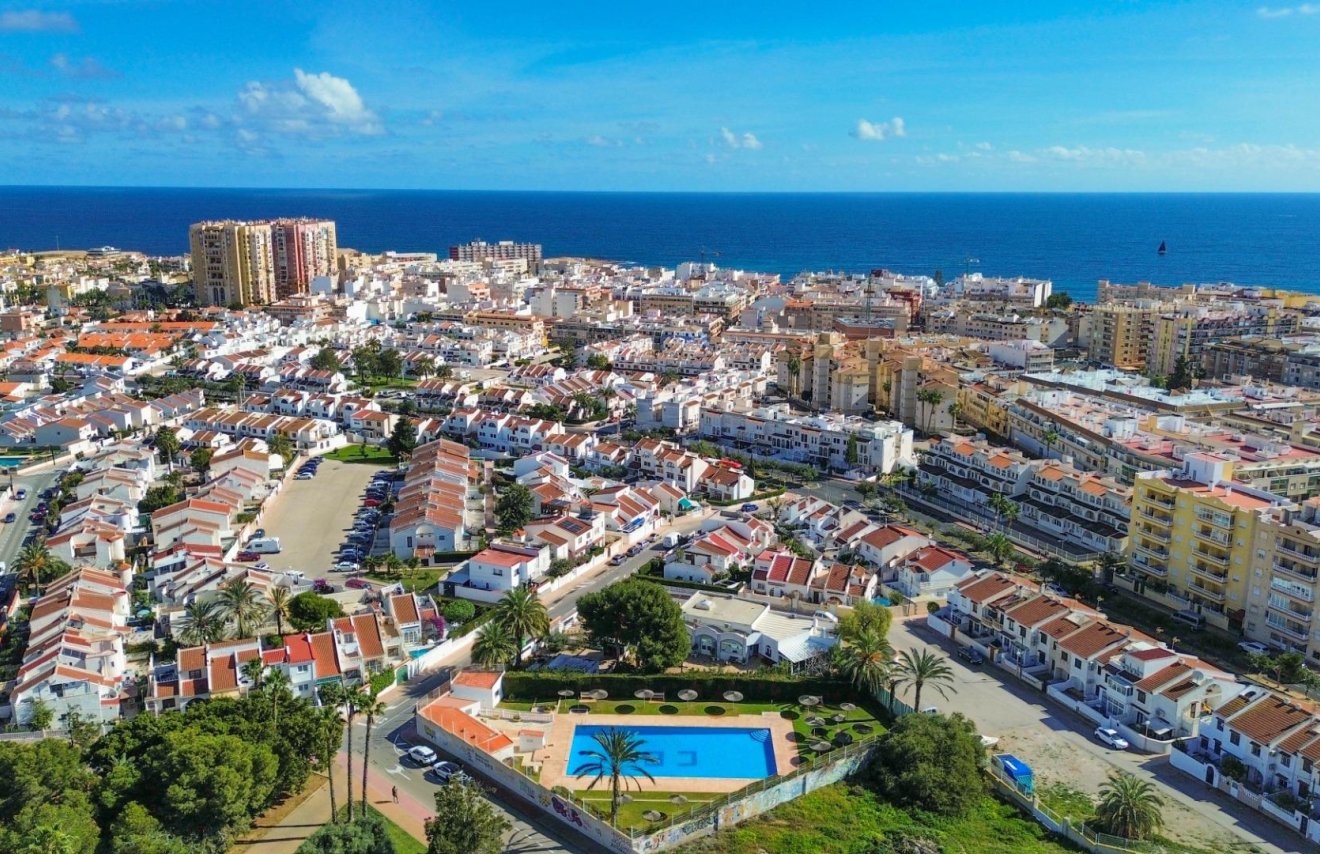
point(1073, 238)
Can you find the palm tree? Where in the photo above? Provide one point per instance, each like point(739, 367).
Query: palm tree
point(244, 604)
point(920, 668)
point(794, 369)
point(523, 613)
point(372, 708)
point(931, 397)
point(423, 367)
point(279, 607)
point(1129, 807)
point(352, 703)
point(203, 623)
point(955, 409)
point(332, 695)
point(1051, 436)
point(276, 687)
point(620, 758)
point(495, 645)
point(865, 661)
point(999, 546)
point(1003, 507)
point(35, 564)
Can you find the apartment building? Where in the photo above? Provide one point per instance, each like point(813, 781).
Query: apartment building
point(828, 441)
point(232, 262)
point(1119, 335)
point(1194, 535)
point(1282, 588)
point(479, 251)
point(302, 250)
point(430, 513)
point(1184, 334)
point(1052, 497)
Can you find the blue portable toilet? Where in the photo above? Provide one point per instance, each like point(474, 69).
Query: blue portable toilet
point(1018, 771)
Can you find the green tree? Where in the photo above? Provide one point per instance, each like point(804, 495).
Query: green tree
point(929, 398)
point(853, 453)
point(999, 546)
point(423, 367)
point(365, 361)
point(203, 622)
point(331, 732)
point(162, 495)
point(1184, 374)
point(403, 439)
point(136, 831)
point(464, 821)
point(523, 613)
point(389, 363)
point(280, 446)
point(1005, 508)
point(364, 835)
point(618, 757)
point(326, 360)
point(242, 603)
point(919, 668)
point(200, 459)
point(36, 566)
point(865, 618)
point(279, 600)
point(637, 619)
point(865, 662)
point(212, 784)
point(494, 646)
point(1050, 437)
point(308, 612)
point(42, 715)
point(167, 442)
point(459, 611)
point(931, 763)
point(598, 362)
point(514, 508)
point(1128, 807)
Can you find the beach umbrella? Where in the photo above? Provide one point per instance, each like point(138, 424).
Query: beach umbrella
point(821, 746)
point(567, 693)
point(733, 696)
point(687, 695)
point(677, 798)
point(644, 694)
point(848, 707)
point(838, 719)
point(808, 700)
point(815, 720)
point(600, 693)
point(653, 815)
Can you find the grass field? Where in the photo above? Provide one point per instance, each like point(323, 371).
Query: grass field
point(413, 580)
point(630, 812)
point(403, 841)
point(369, 454)
point(851, 820)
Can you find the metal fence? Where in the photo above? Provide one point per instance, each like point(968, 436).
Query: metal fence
point(1076, 831)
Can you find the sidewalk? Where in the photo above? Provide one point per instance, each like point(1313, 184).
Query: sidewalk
point(286, 834)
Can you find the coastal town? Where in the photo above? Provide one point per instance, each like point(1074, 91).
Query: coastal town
point(473, 507)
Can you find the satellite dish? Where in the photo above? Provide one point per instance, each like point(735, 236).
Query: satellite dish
point(1198, 676)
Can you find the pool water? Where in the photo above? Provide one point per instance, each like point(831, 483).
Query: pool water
point(684, 751)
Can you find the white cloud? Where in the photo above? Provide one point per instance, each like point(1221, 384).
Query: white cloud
point(36, 21)
point(746, 140)
point(1287, 11)
point(603, 141)
point(1086, 154)
point(1020, 156)
point(86, 68)
point(877, 131)
point(311, 104)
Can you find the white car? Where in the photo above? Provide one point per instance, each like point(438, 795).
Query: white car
point(421, 754)
point(1254, 648)
point(261, 566)
point(346, 566)
point(1111, 738)
point(445, 771)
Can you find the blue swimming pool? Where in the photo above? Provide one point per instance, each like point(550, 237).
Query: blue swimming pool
point(691, 751)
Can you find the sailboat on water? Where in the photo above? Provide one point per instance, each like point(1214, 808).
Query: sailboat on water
point(1163, 249)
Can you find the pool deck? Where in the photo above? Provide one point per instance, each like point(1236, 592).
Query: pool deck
point(554, 756)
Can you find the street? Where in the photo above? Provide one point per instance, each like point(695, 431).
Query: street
point(393, 734)
point(1059, 746)
point(12, 534)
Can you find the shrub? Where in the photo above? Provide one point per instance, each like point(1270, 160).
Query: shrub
point(459, 611)
point(931, 763)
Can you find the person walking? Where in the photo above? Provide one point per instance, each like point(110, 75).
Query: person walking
point(394, 793)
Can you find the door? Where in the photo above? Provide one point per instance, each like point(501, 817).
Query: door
point(1210, 775)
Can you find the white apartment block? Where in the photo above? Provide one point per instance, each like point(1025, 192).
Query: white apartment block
point(826, 441)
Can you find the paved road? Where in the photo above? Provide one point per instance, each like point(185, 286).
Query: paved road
point(532, 831)
point(1001, 707)
point(313, 517)
point(12, 534)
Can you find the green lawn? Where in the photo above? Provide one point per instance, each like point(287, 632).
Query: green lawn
point(849, 819)
point(865, 714)
point(413, 580)
point(630, 812)
point(1078, 806)
point(363, 454)
point(403, 841)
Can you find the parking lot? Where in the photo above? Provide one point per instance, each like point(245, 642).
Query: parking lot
point(311, 517)
point(1060, 747)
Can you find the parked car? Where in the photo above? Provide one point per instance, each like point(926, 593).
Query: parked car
point(261, 565)
point(614, 561)
point(258, 534)
point(320, 585)
point(303, 475)
point(421, 754)
point(971, 655)
point(371, 502)
point(21, 494)
point(247, 556)
point(9, 518)
point(748, 508)
point(1110, 737)
point(357, 584)
point(1249, 647)
point(445, 771)
point(346, 566)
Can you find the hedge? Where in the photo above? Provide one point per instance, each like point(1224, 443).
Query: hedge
point(759, 496)
point(524, 686)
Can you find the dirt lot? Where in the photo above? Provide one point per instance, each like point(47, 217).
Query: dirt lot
point(311, 517)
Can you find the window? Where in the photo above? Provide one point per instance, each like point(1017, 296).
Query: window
point(1234, 738)
point(1285, 759)
point(1141, 696)
point(1255, 749)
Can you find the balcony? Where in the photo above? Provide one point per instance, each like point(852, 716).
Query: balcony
point(1221, 520)
point(1293, 631)
point(1209, 571)
point(1217, 537)
point(1206, 592)
point(1290, 609)
point(1293, 550)
point(1140, 562)
point(1221, 560)
point(1154, 533)
point(1308, 575)
point(1296, 591)
point(1156, 498)
point(1162, 520)
point(1158, 551)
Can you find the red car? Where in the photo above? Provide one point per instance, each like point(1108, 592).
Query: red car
point(247, 557)
point(371, 502)
point(357, 584)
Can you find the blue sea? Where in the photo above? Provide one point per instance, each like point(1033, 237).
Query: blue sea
point(1073, 239)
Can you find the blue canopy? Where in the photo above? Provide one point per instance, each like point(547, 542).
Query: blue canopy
point(1018, 770)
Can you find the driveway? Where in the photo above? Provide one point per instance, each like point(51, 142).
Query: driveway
point(312, 517)
point(1059, 746)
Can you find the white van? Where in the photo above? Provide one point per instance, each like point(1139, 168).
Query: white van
point(265, 545)
point(1191, 618)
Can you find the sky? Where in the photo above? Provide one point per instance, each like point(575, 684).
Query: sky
point(721, 96)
